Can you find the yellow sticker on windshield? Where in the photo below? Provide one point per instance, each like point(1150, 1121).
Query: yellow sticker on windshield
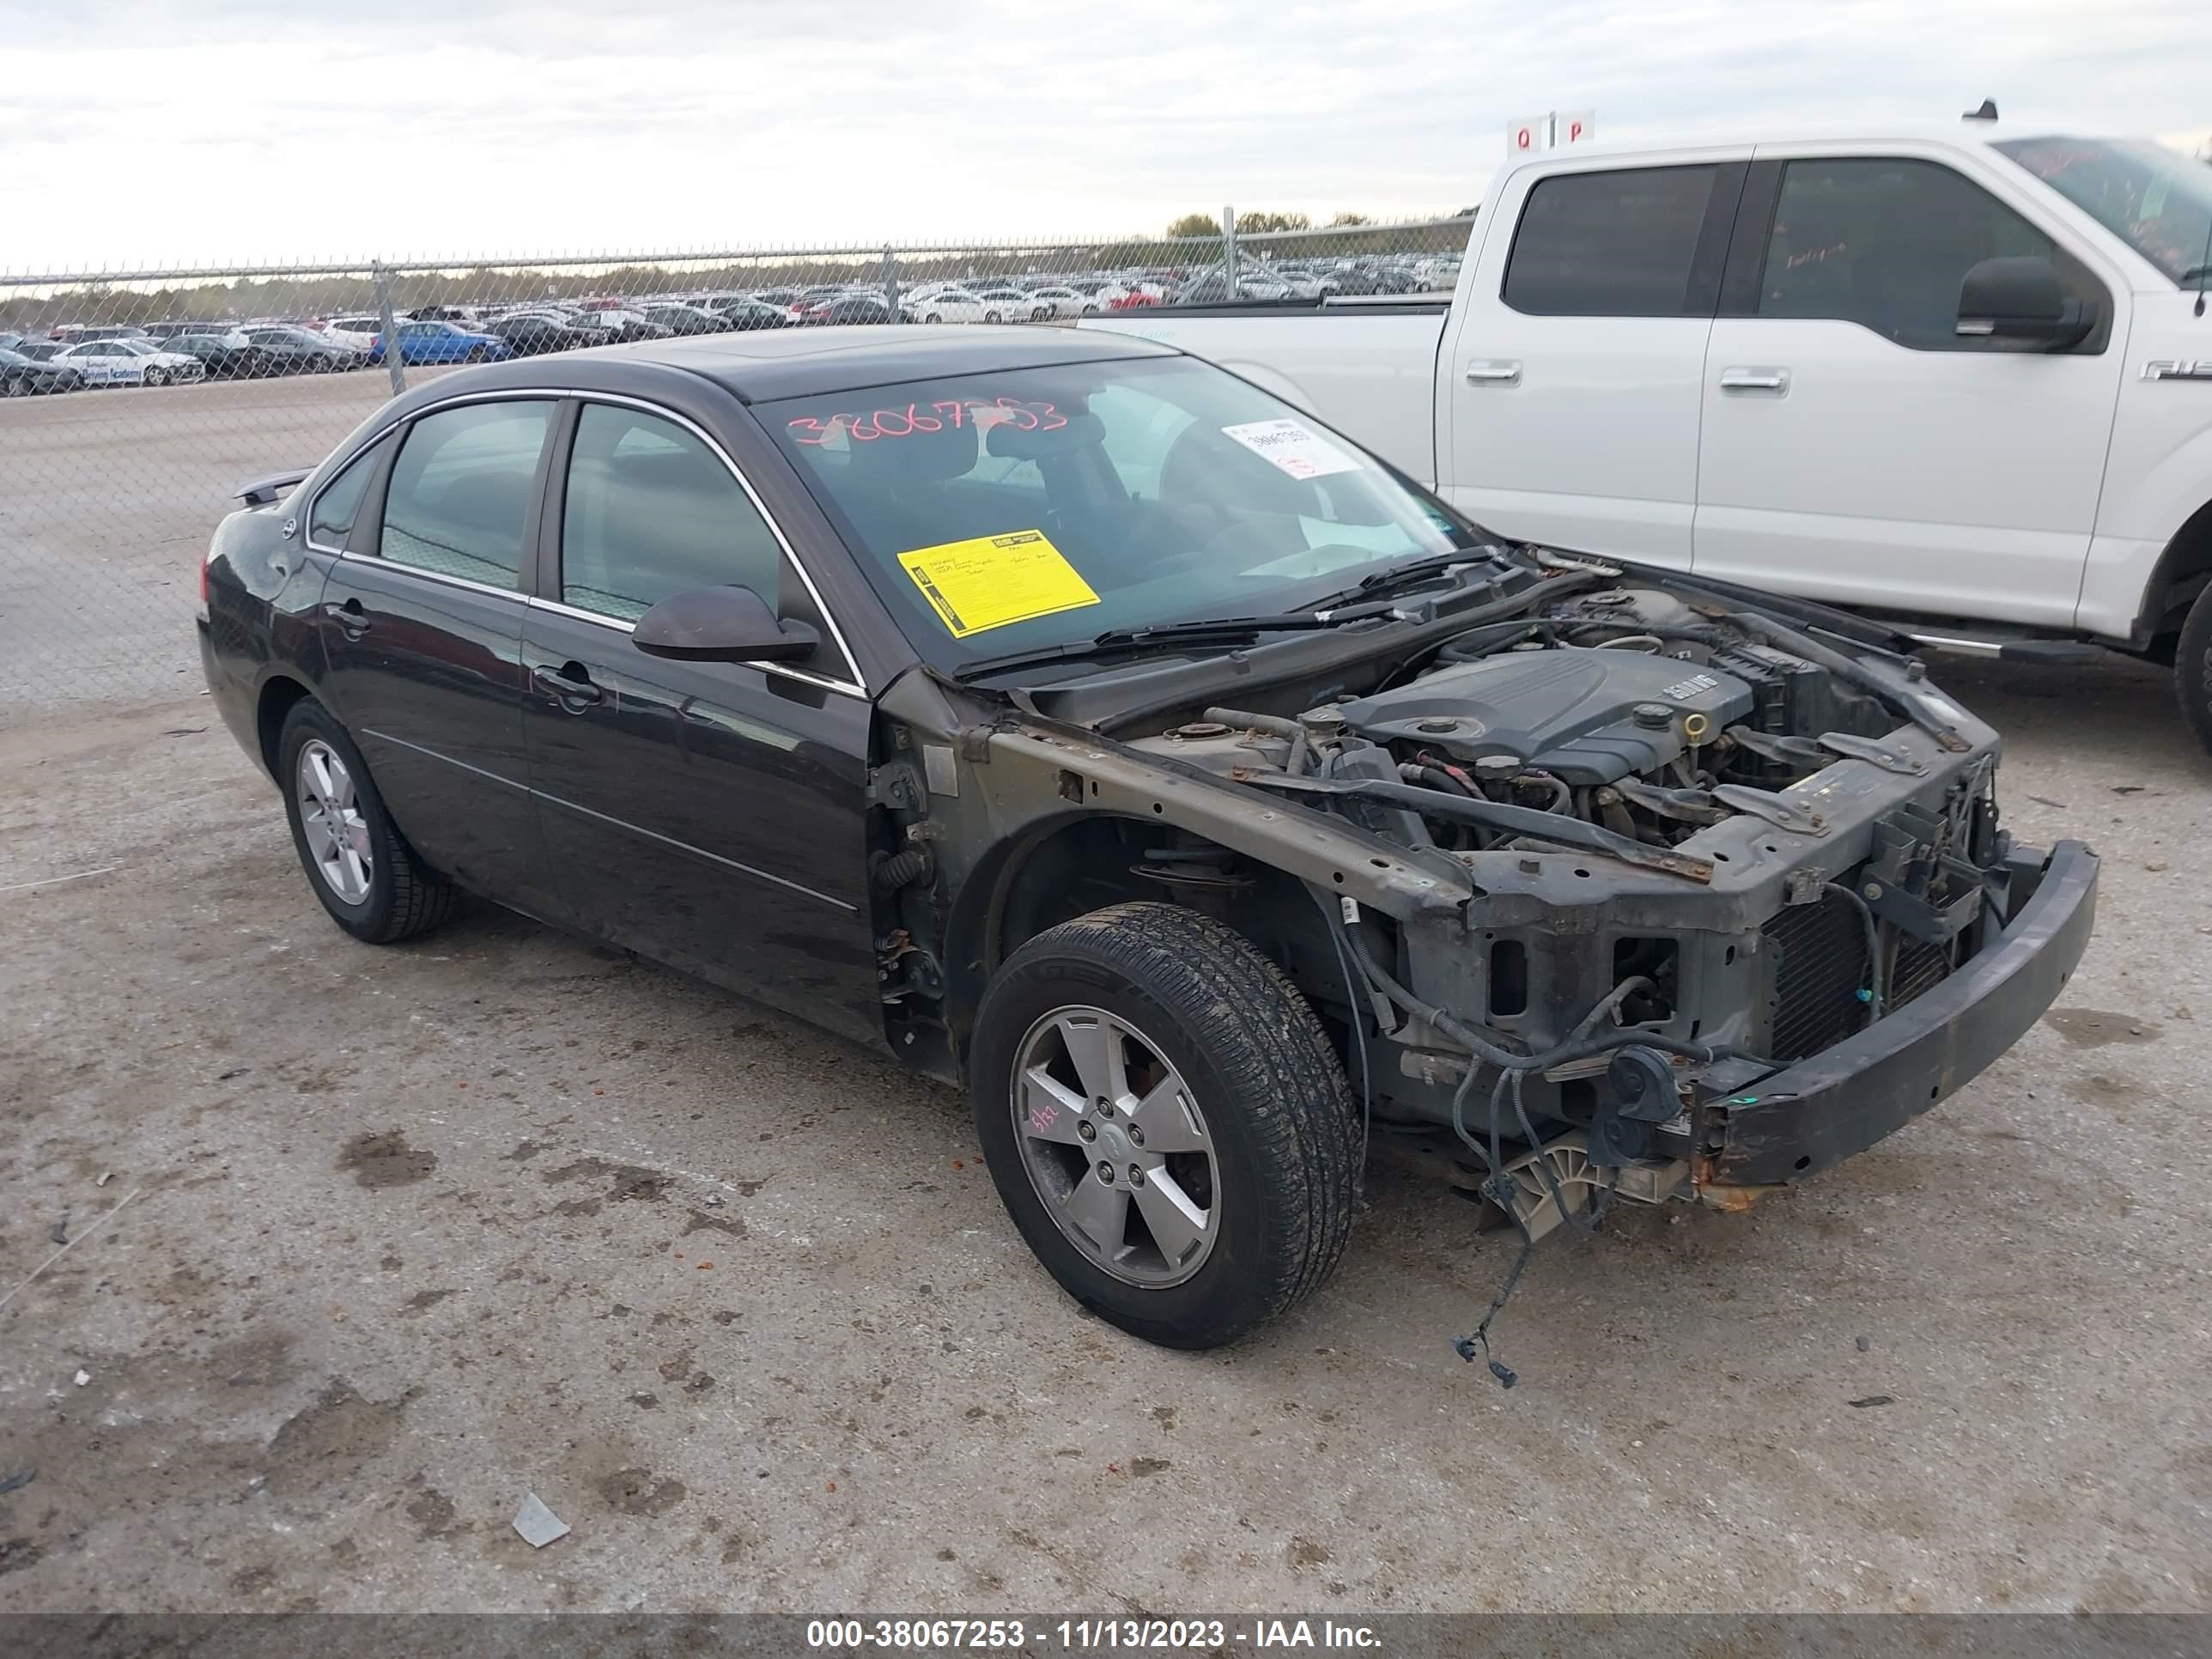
point(992, 580)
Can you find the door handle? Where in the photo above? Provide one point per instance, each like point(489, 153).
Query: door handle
point(1776, 380)
point(1495, 371)
point(350, 619)
point(570, 685)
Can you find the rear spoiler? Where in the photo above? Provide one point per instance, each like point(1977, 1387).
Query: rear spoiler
point(263, 492)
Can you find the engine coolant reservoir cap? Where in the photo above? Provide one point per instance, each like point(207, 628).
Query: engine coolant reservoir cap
point(1439, 725)
point(1655, 715)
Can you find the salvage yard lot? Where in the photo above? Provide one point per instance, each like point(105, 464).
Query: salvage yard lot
point(417, 1231)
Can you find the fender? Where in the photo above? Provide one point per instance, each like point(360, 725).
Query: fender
point(2144, 540)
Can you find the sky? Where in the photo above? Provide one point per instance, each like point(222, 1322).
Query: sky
point(147, 133)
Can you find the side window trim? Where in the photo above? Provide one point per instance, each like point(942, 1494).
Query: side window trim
point(553, 502)
point(371, 494)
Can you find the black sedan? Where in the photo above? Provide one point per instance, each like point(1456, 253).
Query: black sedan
point(226, 356)
point(682, 320)
point(529, 333)
point(847, 310)
point(26, 377)
point(1077, 722)
point(299, 350)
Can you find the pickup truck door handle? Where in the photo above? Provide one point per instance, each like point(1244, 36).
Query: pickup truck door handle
point(1776, 380)
point(1495, 371)
point(570, 685)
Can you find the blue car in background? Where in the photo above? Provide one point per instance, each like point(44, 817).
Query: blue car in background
point(442, 343)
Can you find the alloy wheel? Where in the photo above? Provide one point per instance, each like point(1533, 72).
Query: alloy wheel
point(330, 815)
point(1115, 1145)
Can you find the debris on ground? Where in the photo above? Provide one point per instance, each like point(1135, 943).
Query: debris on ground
point(105, 1177)
point(82, 1378)
point(1863, 1343)
point(538, 1525)
point(16, 1481)
point(1875, 1399)
point(60, 1233)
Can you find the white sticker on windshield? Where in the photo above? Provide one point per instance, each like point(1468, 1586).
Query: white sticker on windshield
point(1299, 451)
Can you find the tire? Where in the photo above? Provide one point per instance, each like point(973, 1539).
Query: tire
point(1279, 1167)
point(990, 316)
point(474, 355)
point(15, 387)
point(1091, 311)
point(933, 318)
point(156, 377)
point(401, 895)
point(2192, 669)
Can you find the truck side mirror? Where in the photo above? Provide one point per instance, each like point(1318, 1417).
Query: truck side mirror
point(2023, 299)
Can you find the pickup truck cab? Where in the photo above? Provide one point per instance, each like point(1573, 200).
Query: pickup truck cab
point(1958, 378)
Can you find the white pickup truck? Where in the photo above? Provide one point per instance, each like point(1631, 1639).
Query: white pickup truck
point(1960, 378)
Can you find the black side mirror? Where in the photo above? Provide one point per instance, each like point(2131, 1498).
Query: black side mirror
point(2021, 299)
point(722, 624)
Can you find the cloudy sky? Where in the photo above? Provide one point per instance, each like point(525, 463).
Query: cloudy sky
point(146, 132)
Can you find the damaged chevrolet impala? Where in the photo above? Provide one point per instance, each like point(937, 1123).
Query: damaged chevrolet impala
point(1085, 727)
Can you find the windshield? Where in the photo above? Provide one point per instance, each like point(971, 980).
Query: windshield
point(2159, 201)
point(1002, 513)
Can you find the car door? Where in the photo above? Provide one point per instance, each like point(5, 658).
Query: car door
point(708, 815)
point(1568, 393)
point(1856, 447)
point(102, 364)
point(421, 626)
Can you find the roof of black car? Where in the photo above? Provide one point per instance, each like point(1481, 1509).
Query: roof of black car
point(763, 364)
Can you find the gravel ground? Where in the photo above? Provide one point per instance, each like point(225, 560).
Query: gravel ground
point(406, 1234)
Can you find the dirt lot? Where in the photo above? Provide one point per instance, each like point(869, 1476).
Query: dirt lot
point(409, 1233)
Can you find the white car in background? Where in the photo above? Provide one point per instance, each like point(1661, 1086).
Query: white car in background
point(129, 362)
point(945, 303)
point(1057, 300)
point(356, 333)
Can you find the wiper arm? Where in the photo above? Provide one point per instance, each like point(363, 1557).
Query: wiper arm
point(1402, 575)
point(1123, 642)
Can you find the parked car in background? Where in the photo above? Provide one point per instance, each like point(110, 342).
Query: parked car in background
point(945, 303)
point(172, 329)
point(73, 334)
point(226, 354)
point(438, 342)
point(355, 333)
point(530, 334)
point(292, 350)
point(630, 326)
point(22, 376)
point(127, 362)
point(679, 318)
point(853, 308)
point(1059, 300)
point(745, 314)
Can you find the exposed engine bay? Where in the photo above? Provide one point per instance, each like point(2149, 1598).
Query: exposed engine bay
point(1686, 880)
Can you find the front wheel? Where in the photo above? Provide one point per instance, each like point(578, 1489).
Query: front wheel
point(360, 867)
point(476, 354)
point(2192, 668)
point(990, 316)
point(1165, 1121)
point(156, 377)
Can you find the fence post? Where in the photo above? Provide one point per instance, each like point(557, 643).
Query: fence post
point(1229, 248)
point(891, 282)
point(393, 365)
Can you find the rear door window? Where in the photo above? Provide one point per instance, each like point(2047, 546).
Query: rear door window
point(462, 489)
point(1617, 243)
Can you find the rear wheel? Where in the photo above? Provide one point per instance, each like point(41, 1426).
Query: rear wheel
point(933, 318)
point(1165, 1121)
point(990, 316)
point(476, 354)
point(2192, 668)
point(15, 386)
point(360, 867)
point(157, 377)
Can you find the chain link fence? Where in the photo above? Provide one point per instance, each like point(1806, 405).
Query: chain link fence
point(137, 401)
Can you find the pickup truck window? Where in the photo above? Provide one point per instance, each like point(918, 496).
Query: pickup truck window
point(1886, 242)
point(1170, 489)
point(1616, 243)
point(2159, 203)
